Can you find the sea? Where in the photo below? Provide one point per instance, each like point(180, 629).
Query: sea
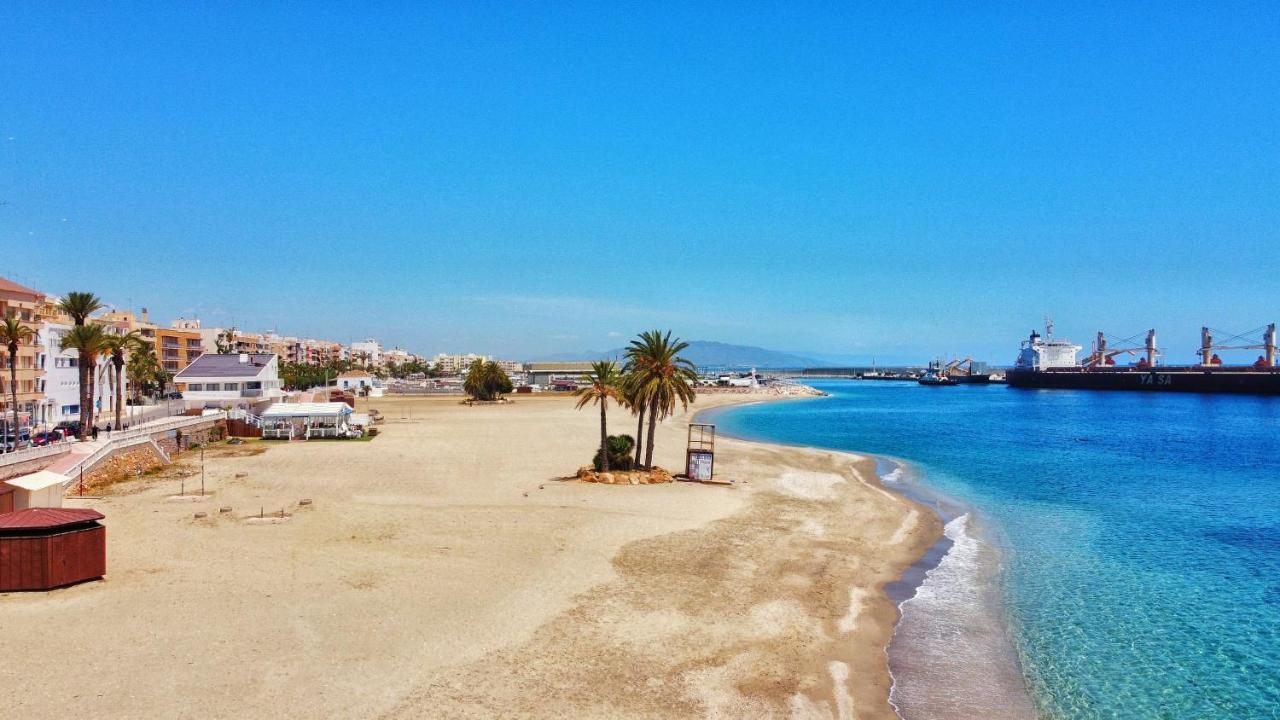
point(1107, 554)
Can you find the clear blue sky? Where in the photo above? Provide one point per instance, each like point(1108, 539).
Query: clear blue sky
point(532, 178)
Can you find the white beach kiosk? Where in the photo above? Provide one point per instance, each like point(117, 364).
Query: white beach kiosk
point(286, 421)
point(38, 490)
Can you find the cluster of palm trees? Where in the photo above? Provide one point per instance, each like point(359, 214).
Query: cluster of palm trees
point(486, 380)
point(652, 381)
point(93, 344)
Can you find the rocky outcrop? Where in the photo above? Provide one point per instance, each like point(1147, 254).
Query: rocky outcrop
point(625, 477)
point(125, 464)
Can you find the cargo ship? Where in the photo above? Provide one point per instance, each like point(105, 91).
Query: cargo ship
point(1045, 362)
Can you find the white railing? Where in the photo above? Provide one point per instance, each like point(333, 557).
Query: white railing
point(34, 453)
point(102, 453)
point(244, 415)
point(173, 423)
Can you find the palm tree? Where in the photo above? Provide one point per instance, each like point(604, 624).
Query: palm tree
point(12, 334)
point(633, 398)
point(600, 384)
point(486, 380)
point(86, 340)
point(80, 305)
point(662, 377)
point(143, 369)
point(116, 347)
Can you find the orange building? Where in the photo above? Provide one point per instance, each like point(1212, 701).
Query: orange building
point(22, 303)
point(177, 348)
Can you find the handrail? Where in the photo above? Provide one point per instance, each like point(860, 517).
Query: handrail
point(32, 453)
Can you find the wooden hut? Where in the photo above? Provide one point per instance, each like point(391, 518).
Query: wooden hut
point(45, 548)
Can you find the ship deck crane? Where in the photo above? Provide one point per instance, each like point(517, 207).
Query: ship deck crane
point(1268, 345)
point(1101, 356)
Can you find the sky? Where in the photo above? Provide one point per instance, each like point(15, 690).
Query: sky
point(532, 178)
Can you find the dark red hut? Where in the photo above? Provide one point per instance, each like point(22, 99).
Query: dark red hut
point(45, 548)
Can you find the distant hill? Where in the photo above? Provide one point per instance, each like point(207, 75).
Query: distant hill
point(707, 353)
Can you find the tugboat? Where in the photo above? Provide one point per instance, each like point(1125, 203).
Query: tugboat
point(936, 375)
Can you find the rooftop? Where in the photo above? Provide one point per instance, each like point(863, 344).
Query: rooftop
point(9, 286)
point(218, 366)
point(47, 518)
point(320, 409)
point(38, 481)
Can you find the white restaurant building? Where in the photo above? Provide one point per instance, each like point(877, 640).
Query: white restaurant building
point(236, 380)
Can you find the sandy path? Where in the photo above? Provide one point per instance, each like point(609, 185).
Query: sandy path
point(432, 577)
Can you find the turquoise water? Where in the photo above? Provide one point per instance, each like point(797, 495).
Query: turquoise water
point(1140, 533)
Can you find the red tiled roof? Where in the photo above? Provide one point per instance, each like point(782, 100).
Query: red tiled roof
point(46, 518)
point(10, 286)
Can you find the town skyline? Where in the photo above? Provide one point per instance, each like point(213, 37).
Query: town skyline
point(804, 180)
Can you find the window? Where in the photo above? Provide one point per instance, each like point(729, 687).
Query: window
point(231, 386)
point(253, 386)
point(70, 409)
point(195, 387)
point(212, 387)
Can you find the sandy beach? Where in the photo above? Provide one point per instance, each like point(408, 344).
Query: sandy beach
point(448, 569)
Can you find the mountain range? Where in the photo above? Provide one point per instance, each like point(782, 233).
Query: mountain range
point(708, 353)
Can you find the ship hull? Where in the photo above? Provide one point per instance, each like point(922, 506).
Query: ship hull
point(1164, 379)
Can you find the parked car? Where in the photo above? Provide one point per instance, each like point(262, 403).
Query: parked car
point(41, 439)
point(68, 427)
point(173, 396)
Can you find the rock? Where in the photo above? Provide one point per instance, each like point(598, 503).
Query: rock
point(659, 475)
point(224, 509)
point(607, 478)
point(633, 478)
point(200, 515)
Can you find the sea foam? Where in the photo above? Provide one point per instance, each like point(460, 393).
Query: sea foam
point(946, 645)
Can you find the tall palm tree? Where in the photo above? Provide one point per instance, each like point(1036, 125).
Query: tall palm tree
point(116, 348)
point(600, 384)
point(80, 305)
point(86, 340)
point(13, 334)
point(663, 378)
point(633, 398)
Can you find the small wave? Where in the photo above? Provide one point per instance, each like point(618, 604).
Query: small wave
point(893, 476)
point(947, 646)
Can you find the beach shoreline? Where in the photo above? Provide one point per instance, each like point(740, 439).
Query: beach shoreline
point(918, 665)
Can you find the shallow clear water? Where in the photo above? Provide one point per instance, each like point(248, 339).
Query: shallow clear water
point(1140, 533)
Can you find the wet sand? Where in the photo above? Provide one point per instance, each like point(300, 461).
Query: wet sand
point(445, 569)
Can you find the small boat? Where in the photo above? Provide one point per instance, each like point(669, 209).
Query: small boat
point(936, 375)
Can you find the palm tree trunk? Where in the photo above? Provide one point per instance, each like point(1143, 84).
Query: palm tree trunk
point(119, 389)
point(653, 425)
point(86, 396)
point(13, 389)
point(604, 439)
point(639, 436)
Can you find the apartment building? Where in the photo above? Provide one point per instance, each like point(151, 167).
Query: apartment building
point(175, 347)
point(22, 303)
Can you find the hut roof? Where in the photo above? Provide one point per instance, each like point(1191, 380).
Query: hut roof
point(47, 518)
point(38, 481)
